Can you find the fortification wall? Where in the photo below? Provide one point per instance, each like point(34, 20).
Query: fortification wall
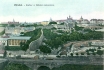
point(36, 43)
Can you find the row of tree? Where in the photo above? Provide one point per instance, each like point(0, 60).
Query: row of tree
point(1, 33)
point(79, 67)
point(12, 66)
point(54, 40)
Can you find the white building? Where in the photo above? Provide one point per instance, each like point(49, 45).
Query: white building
point(13, 41)
point(98, 43)
point(17, 30)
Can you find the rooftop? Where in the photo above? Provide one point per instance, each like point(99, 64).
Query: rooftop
point(18, 37)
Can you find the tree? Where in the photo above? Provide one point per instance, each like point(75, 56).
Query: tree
point(71, 54)
point(94, 53)
point(77, 54)
point(99, 52)
point(1, 33)
point(78, 28)
point(22, 45)
point(45, 49)
point(22, 33)
point(12, 25)
point(88, 53)
point(99, 47)
point(82, 53)
point(13, 66)
point(53, 22)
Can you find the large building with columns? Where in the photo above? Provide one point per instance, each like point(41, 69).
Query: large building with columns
point(13, 41)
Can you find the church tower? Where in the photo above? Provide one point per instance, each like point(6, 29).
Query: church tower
point(81, 18)
point(50, 20)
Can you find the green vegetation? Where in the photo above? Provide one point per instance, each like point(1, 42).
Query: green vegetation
point(3, 25)
point(62, 23)
point(43, 68)
point(45, 49)
point(12, 25)
point(77, 54)
point(12, 48)
point(53, 22)
point(93, 35)
point(87, 30)
point(12, 66)
point(60, 31)
point(1, 33)
point(78, 28)
point(49, 34)
point(91, 50)
point(54, 40)
point(35, 25)
point(71, 54)
point(34, 35)
point(99, 52)
point(79, 67)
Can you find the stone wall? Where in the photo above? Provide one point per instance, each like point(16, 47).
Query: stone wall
point(36, 43)
point(35, 64)
point(3, 64)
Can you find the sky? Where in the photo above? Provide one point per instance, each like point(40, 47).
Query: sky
point(57, 10)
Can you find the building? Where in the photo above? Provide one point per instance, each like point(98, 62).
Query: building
point(44, 22)
point(101, 30)
point(97, 21)
point(16, 31)
point(68, 20)
point(82, 21)
point(13, 23)
point(13, 41)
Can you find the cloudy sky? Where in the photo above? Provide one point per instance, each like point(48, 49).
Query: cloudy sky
point(59, 9)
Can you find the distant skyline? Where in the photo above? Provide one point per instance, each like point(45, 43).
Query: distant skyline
point(88, 9)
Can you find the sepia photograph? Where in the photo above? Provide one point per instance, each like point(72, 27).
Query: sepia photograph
point(51, 34)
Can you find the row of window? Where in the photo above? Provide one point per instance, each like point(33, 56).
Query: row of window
point(15, 42)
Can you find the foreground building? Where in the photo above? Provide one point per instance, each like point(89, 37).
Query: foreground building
point(13, 41)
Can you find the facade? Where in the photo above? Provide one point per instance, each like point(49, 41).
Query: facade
point(82, 21)
point(68, 20)
point(93, 27)
point(98, 43)
point(101, 30)
point(45, 23)
point(15, 31)
point(13, 23)
point(83, 25)
point(97, 21)
point(13, 41)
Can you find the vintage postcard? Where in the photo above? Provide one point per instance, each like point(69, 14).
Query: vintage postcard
point(51, 34)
